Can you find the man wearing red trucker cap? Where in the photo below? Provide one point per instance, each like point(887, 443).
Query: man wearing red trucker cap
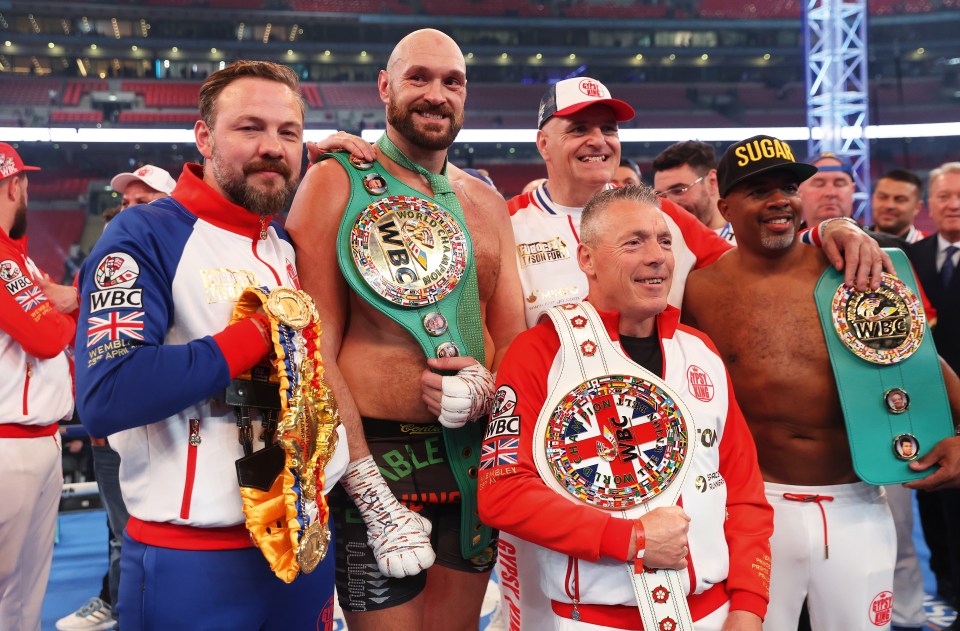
point(35, 393)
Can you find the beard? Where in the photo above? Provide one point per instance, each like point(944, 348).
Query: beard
point(258, 200)
point(431, 136)
point(19, 227)
point(778, 241)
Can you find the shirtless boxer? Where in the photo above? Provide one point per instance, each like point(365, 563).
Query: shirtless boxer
point(782, 375)
point(378, 371)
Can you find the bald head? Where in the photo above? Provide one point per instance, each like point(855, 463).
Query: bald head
point(426, 41)
point(424, 88)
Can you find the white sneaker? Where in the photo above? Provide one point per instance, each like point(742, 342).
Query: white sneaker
point(95, 615)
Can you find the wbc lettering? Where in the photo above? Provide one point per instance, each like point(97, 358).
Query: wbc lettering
point(867, 330)
point(16, 285)
point(505, 425)
point(115, 299)
point(398, 255)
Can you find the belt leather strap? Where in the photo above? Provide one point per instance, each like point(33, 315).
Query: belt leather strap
point(587, 356)
point(879, 426)
point(460, 308)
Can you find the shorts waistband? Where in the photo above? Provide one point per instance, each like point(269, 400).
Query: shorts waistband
point(384, 428)
point(182, 537)
point(18, 430)
point(628, 616)
point(839, 492)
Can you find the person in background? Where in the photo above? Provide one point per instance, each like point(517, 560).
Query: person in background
point(627, 174)
point(897, 200)
point(37, 392)
point(686, 174)
point(146, 184)
point(829, 193)
point(936, 259)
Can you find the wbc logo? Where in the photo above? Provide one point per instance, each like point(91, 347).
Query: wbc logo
point(116, 270)
point(9, 270)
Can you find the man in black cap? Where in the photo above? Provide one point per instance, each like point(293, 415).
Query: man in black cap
point(755, 304)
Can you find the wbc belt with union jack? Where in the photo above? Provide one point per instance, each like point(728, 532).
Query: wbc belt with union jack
point(614, 436)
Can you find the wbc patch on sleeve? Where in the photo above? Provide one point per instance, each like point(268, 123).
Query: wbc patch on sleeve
point(114, 278)
point(30, 298)
point(504, 420)
point(500, 453)
point(13, 277)
point(112, 335)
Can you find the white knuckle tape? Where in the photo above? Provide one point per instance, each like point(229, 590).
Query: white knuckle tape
point(465, 396)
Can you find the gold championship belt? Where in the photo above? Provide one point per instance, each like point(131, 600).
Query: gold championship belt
point(409, 251)
point(887, 372)
point(883, 327)
point(282, 485)
point(614, 436)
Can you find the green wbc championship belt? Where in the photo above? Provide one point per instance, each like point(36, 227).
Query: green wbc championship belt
point(887, 372)
point(412, 260)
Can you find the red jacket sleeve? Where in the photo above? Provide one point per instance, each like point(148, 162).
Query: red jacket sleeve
point(512, 497)
point(706, 244)
point(749, 523)
point(25, 313)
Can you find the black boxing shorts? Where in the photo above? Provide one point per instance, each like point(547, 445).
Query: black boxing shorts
point(413, 460)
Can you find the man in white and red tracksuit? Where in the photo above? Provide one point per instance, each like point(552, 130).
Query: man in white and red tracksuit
point(157, 348)
point(719, 531)
point(35, 393)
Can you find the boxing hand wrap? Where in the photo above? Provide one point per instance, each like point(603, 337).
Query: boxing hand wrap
point(398, 537)
point(465, 396)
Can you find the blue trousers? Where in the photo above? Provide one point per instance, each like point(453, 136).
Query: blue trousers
point(106, 468)
point(213, 590)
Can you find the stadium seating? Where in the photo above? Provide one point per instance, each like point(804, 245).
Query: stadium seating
point(311, 94)
point(615, 10)
point(165, 93)
point(77, 88)
point(52, 232)
point(49, 186)
point(511, 178)
point(85, 117)
point(29, 90)
point(481, 8)
point(162, 118)
point(350, 96)
point(353, 6)
point(748, 10)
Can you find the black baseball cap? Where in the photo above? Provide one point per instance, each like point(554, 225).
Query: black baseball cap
point(756, 155)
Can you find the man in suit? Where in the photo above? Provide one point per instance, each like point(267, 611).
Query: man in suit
point(935, 259)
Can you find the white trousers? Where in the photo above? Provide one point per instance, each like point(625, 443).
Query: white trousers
point(523, 605)
point(907, 580)
point(31, 480)
point(712, 622)
point(852, 589)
